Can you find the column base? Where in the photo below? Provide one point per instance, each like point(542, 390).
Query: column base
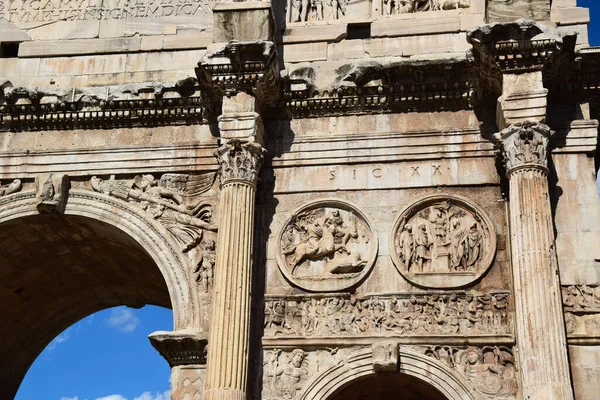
point(224, 394)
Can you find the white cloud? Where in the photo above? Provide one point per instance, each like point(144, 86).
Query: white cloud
point(158, 396)
point(124, 320)
point(69, 398)
point(112, 397)
point(63, 337)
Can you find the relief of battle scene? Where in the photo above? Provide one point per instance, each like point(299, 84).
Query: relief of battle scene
point(458, 313)
point(326, 247)
point(443, 242)
point(176, 202)
point(327, 10)
point(392, 7)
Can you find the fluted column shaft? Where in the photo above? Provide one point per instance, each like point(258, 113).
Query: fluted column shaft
point(541, 336)
point(227, 366)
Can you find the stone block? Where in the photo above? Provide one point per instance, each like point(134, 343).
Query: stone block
point(408, 46)
point(248, 20)
point(53, 48)
point(187, 41)
point(425, 24)
point(326, 33)
point(66, 30)
point(570, 15)
point(347, 49)
point(305, 52)
point(385, 356)
point(151, 43)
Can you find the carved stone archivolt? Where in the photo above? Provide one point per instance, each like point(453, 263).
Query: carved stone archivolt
point(443, 241)
point(404, 314)
point(490, 370)
point(327, 246)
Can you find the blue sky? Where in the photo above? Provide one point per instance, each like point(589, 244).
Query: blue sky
point(107, 356)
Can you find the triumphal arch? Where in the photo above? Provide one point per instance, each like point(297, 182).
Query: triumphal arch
point(338, 199)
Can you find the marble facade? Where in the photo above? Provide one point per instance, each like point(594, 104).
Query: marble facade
point(337, 199)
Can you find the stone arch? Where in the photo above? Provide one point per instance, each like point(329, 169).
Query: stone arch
point(139, 239)
point(360, 365)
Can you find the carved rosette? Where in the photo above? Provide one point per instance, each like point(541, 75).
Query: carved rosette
point(443, 242)
point(240, 161)
point(524, 145)
point(327, 246)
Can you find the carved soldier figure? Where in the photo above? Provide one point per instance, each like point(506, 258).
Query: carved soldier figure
point(301, 7)
point(423, 249)
point(338, 6)
point(474, 243)
point(407, 245)
point(458, 243)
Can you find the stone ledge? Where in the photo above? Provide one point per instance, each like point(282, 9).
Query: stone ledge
point(570, 15)
point(79, 47)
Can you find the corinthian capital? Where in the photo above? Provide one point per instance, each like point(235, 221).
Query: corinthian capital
point(240, 161)
point(524, 145)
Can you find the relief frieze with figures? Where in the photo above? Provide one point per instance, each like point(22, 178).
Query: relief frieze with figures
point(464, 313)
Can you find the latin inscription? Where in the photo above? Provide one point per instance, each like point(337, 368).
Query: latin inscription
point(41, 11)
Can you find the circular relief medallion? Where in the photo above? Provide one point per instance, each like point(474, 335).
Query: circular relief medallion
point(327, 246)
point(443, 242)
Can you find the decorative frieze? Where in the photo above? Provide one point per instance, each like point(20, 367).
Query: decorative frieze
point(148, 104)
point(392, 7)
point(443, 242)
point(326, 246)
point(403, 314)
point(582, 310)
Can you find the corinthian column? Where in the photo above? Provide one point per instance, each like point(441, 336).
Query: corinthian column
point(541, 337)
point(227, 366)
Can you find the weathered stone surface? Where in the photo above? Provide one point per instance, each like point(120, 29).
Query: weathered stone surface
point(313, 188)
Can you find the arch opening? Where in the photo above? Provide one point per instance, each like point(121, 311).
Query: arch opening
point(58, 269)
point(385, 386)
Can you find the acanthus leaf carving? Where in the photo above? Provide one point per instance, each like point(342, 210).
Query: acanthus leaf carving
point(240, 160)
point(490, 370)
point(457, 313)
point(524, 144)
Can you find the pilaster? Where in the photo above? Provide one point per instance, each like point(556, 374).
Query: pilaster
point(541, 336)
